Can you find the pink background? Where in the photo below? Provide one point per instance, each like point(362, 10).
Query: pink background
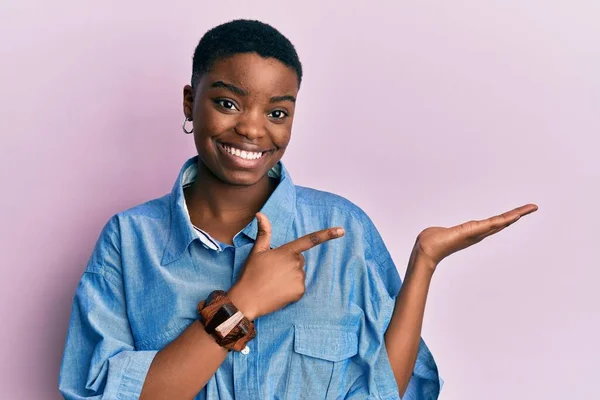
point(423, 113)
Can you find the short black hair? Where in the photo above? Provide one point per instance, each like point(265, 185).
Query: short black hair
point(243, 36)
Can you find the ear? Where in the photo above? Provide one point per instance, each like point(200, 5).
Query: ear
point(188, 101)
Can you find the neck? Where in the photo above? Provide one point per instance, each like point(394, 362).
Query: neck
point(211, 200)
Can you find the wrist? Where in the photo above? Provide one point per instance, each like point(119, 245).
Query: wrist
point(422, 266)
point(242, 302)
point(221, 319)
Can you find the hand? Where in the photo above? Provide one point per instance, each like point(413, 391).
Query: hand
point(436, 243)
point(273, 278)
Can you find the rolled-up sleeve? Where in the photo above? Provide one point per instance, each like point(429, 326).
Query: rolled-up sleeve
point(100, 360)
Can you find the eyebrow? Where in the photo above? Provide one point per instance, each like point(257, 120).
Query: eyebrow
point(230, 87)
point(287, 97)
point(242, 92)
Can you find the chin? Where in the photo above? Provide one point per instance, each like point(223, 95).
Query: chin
point(242, 178)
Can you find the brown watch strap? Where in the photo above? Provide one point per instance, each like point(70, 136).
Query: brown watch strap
point(230, 328)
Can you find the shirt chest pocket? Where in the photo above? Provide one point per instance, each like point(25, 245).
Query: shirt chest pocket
point(320, 359)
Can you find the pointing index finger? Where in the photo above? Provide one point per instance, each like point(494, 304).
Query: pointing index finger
point(314, 239)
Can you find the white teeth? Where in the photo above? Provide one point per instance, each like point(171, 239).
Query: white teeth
point(246, 155)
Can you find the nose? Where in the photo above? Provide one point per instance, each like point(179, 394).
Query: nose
point(251, 125)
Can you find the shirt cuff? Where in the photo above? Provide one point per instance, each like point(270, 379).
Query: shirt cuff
point(425, 383)
point(135, 366)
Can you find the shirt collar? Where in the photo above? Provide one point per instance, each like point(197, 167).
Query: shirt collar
point(279, 209)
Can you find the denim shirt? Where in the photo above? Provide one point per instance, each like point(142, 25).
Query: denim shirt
point(150, 268)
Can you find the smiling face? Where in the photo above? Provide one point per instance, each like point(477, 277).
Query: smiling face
point(242, 112)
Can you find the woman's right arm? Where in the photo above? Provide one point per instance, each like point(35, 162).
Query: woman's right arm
point(101, 362)
point(100, 359)
point(182, 368)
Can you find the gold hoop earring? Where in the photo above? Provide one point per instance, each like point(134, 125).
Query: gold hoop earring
point(183, 126)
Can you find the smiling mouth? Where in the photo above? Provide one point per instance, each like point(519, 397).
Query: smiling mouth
point(243, 154)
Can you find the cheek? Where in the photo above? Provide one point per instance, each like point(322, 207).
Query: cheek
point(281, 135)
point(282, 141)
point(211, 122)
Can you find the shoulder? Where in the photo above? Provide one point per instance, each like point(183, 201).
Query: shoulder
point(139, 216)
point(361, 236)
point(333, 209)
point(322, 201)
point(150, 210)
point(124, 226)
point(338, 209)
point(155, 212)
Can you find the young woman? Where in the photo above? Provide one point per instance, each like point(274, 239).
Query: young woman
point(239, 284)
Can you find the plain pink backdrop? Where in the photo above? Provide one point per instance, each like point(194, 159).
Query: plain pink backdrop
point(423, 113)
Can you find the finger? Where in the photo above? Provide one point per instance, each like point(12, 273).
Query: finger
point(483, 227)
point(492, 232)
point(314, 239)
point(521, 211)
point(263, 235)
point(528, 209)
point(496, 230)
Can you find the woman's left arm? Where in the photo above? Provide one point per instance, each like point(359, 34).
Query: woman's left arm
point(403, 334)
point(402, 337)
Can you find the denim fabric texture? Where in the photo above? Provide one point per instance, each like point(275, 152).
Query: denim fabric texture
point(151, 267)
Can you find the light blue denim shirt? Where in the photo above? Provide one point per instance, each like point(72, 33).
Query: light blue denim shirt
point(151, 267)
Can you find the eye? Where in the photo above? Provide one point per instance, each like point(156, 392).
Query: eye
point(278, 114)
point(227, 104)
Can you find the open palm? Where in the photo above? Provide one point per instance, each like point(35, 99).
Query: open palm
point(436, 243)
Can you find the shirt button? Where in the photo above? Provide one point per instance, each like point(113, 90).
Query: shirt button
point(246, 350)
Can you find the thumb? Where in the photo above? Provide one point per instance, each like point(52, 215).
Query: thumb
point(263, 235)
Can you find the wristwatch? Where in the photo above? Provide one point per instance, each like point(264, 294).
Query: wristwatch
point(221, 319)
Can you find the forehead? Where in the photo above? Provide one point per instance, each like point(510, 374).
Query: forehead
point(254, 73)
